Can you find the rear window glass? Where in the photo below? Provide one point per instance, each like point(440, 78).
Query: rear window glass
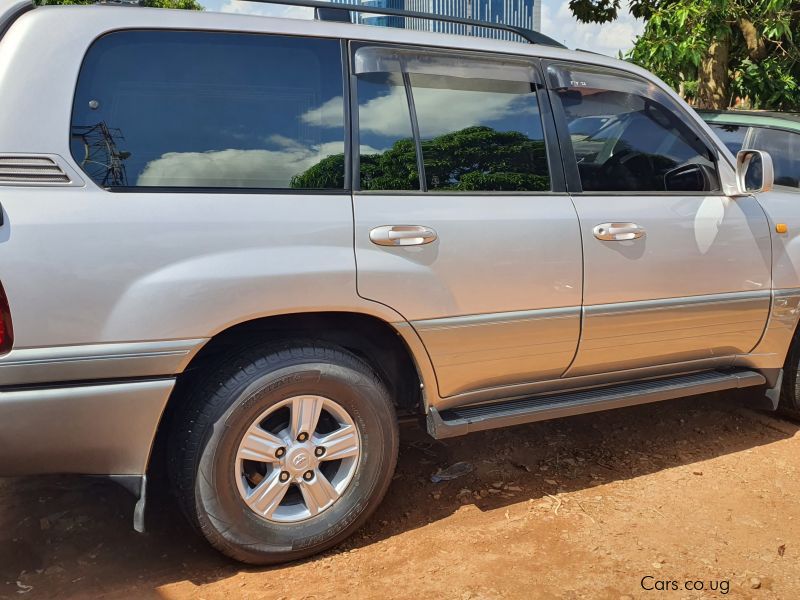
point(478, 126)
point(210, 110)
point(731, 135)
point(784, 148)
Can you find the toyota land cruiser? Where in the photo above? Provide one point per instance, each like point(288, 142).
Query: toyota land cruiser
point(261, 240)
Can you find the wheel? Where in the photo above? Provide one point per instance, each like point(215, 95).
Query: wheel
point(789, 405)
point(284, 452)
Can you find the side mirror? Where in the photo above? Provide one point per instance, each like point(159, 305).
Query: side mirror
point(754, 171)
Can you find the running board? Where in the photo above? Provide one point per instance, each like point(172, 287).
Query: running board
point(459, 421)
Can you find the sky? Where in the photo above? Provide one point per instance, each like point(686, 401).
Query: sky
point(557, 22)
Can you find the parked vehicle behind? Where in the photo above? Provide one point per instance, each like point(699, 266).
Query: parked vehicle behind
point(261, 241)
point(775, 132)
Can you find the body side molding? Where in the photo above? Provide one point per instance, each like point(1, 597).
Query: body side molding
point(125, 360)
point(471, 352)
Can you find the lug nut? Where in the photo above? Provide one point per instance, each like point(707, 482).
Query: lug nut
point(319, 451)
point(302, 437)
point(280, 452)
point(308, 475)
point(284, 476)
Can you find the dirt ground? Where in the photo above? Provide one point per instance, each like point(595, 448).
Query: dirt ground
point(597, 506)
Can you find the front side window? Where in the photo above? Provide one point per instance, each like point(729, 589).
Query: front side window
point(731, 135)
point(627, 135)
point(477, 121)
point(784, 148)
point(190, 109)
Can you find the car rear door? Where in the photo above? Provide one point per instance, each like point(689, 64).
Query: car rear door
point(462, 223)
point(676, 272)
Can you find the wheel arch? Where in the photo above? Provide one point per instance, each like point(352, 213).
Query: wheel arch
point(392, 348)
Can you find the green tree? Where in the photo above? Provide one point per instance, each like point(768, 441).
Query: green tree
point(482, 158)
point(471, 159)
point(184, 4)
point(714, 51)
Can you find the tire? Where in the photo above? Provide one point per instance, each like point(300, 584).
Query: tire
point(213, 439)
point(789, 405)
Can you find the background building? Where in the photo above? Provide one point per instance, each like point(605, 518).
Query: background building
point(521, 13)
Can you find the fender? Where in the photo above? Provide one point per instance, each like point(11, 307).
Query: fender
point(780, 206)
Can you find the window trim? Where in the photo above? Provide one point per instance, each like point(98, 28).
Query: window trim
point(346, 129)
point(574, 184)
point(771, 127)
point(154, 189)
point(713, 124)
point(412, 113)
point(552, 149)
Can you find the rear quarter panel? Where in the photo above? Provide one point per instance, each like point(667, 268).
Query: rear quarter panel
point(83, 266)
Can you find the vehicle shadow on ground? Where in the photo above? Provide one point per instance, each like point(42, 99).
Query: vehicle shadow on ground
point(68, 536)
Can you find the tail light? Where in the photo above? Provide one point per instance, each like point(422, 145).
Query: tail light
point(6, 331)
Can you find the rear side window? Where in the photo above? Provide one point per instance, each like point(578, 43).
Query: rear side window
point(629, 136)
point(182, 109)
point(731, 135)
point(388, 152)
point(784, 148)
point(474, 122)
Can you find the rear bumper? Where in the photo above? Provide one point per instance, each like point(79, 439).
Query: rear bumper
point(97, 429)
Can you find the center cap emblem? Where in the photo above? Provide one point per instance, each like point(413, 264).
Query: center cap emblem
point(300, 461)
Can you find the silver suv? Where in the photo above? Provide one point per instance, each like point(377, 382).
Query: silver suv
point(261, 241)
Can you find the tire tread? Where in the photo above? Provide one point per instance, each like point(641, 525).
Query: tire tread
point(210, 393)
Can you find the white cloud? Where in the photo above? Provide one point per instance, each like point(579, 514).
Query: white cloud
point(388, 115)
point(240, 168)
point(236, 168)
point(267, 10)
point(330, 114)
point(608, 38)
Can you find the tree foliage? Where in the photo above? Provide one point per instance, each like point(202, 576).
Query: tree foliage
point(482, 158)
point(714, 51)
point(471, 159)
point(184, 4)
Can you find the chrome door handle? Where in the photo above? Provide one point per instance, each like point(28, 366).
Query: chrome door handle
point(402, 235)
point(618, 232)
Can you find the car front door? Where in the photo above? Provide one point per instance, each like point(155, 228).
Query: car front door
point(462, 221)
point(675, 272)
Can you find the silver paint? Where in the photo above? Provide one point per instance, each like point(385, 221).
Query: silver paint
point(481, 351)
point(637, 334)
point(715, 247)
point(85, 269)
point(96, 361)
point(495, 254)
point(91, 429)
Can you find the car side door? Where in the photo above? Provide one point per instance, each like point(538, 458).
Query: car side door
point(462, 221)
point(676, 273)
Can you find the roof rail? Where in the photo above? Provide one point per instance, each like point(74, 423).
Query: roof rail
point(10, 10)
point(329, 11)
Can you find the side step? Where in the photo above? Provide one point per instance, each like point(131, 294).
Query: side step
point(459, 421)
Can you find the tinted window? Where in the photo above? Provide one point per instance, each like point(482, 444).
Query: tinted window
point(213, 110)
point(784, 148)
point(480, 134)
point(731, 135)
point(477, 117)
point(388, 154)
point(628, 136)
